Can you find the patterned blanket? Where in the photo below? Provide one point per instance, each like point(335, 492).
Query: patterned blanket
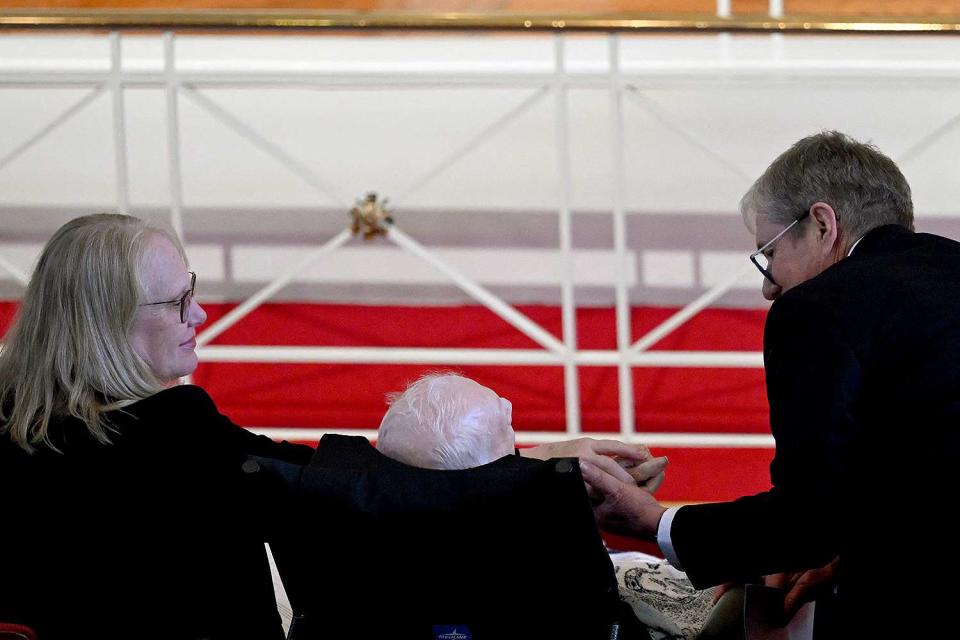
point(661, 596)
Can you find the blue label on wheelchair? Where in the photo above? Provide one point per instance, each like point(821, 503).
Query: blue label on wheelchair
point(451, 632)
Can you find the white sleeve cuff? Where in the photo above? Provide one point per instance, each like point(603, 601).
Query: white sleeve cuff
point(663, 537)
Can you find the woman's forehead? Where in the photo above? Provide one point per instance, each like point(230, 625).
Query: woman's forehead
point(162, 267)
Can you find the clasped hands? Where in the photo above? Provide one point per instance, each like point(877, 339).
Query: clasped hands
point(620, 479)
point(629, 463)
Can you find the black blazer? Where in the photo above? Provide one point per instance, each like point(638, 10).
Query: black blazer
point(863, 379)
point(506, 550)
point(157, 535)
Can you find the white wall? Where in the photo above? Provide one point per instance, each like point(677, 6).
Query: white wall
point(414, 118)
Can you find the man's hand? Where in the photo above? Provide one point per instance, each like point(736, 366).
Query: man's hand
point(804, 586)
point(631, 463)
point(623, 506)
point(648, 475)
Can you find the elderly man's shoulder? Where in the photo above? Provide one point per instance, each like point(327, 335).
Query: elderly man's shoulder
point(357, 452)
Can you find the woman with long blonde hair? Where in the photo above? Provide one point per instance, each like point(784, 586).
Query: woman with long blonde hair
point(126, 512)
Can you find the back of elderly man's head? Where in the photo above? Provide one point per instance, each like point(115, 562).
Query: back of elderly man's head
point(446, 421)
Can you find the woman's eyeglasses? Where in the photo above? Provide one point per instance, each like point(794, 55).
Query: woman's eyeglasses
point(184, 300)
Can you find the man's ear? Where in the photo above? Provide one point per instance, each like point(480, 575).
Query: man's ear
point(828, 231)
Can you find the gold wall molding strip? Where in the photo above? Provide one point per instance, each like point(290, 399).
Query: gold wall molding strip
point(376, 20)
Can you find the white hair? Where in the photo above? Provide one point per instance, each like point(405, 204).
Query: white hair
point(446, 421)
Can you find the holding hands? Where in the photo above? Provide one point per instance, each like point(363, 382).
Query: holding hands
point(632, 464)
point(623, 507)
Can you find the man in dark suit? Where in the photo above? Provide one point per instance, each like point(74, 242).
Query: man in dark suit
point(862, 358)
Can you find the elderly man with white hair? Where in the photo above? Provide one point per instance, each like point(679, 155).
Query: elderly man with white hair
point(447, 421)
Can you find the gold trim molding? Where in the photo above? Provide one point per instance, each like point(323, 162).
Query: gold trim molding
point(376, 20)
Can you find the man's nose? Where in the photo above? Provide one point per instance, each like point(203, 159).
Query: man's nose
point(196, 316)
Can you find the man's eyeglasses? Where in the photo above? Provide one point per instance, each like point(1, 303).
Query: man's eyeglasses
point(759, 258)
point(184, 300)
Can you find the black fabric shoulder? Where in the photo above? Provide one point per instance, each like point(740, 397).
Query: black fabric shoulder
point(189, 411)
point(181, 395)
point(179, 405)
point(339, 451)
point(790, 314)
point(807, 309)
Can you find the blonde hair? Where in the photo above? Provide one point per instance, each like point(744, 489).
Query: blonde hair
point(67, 352)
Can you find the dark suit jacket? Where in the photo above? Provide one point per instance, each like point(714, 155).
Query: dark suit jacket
point(507, 550)
point(158, 535)
point(863, 378)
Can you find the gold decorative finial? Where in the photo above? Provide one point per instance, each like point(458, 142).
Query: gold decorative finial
point(370, 217)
